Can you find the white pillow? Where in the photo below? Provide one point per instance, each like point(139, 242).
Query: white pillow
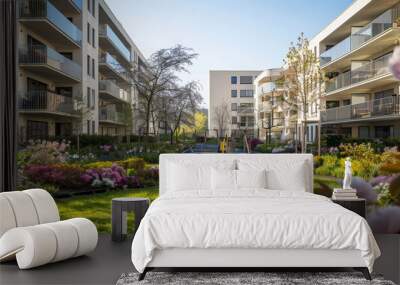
point(251, 178)
point(183, 177)
point(223, 179)
point(292, 179)
point(282, 174)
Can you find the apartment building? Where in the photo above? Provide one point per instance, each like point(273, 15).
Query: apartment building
point(231, 103)
point(361, 97)
point(275, 120)
point(75, 62)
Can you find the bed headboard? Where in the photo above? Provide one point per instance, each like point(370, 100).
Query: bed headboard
point(211, 158)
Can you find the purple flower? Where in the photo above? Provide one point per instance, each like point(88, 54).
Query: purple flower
point(385, 220)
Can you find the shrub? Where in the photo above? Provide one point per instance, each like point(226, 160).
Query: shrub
point(43, 152)
point(112, 177)
point(65, 176)
point(149, 176)
point(98, 164)
point(136, 163)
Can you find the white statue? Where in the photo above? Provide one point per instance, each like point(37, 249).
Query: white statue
point(347, 174)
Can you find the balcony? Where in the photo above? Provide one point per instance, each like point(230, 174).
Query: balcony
point(379, 34)
point(371, 75)
point(385, 108)
point(109, 115)
point(47, 102)
point(108, 90)
point(245, 110)
point(43, 18)
point(110, 41)
point(110, 67)
point(48, 63)
point(68, 6)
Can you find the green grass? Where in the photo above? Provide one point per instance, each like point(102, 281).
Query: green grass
point(97, 207)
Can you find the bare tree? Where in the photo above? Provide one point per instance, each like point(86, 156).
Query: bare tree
point(180, 106)
point(303, 79)
point(159, 75)
point(222, 118)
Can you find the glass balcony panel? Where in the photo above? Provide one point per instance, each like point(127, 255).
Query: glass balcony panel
point(336, 51)
point(380, 107)
point(78, 3)
point(354, 41)
point(106, 30)
point(110, 114)
point(40, 54)
point(44, 9)
point(47, 101)
point(111, 61)
point(367, 71)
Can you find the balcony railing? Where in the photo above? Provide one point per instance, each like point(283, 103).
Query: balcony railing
point(355, 40)
point(370, 109)
point(109, 87)
point(40, 54)
point(106, 31)
point(47, 102)
point(367, 71)
point(245, 110)
point(37, 9)
point(111, 115)
point(108, 59)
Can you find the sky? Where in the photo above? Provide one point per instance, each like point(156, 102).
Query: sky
point(227, 34)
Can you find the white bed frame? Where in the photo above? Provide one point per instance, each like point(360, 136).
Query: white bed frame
point(250, 258)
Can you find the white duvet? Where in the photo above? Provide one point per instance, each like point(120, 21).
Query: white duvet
point(250, 219)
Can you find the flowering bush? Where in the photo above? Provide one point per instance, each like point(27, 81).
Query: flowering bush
point(65, 176)
point(149, 176)
point(113, 177)
point(43, 152)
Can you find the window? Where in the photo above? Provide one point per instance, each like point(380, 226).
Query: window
point(242, 121)
point(88, 33)
point(93, 127)
point(37, 130)
point(234, 120)
point(346, 102)
point(363, 132)
point(233, 93)
point(250, 121)
point(246, 79)
point(88, 65)
point(246, 93)
point(93, 8)
point(233, 79)
point(383, 131)
point(93, 69)
point(93, 99)
point(93, 37)
point(234, 106)
point(88, 127)
point(89, 5)
point(332, 104)
point(88, 98)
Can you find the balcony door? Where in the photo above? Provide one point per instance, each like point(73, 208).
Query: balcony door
point(37, 94)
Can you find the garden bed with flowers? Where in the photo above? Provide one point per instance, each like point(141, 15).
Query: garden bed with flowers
point(376, 177)
point(51, 166)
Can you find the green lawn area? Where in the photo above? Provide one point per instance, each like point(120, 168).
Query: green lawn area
point(97, 207)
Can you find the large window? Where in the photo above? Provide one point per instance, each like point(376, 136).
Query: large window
point(234, 120)
point(88, 65)
point(37, 130)
point(363, 132)
point(233, 79)
point(246, 79)
point(233, 93)
point(246, 93)
point(383, 131)
point(234, 106)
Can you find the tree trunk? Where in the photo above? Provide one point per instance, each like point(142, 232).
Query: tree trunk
point(171, 137)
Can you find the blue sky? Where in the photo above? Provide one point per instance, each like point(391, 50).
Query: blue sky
point(227, 34)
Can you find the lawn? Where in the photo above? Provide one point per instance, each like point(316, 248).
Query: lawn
point(97, 207)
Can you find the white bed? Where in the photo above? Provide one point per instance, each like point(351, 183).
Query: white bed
point(207, 226)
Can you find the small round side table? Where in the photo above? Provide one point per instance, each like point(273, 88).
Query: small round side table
point(120, 207)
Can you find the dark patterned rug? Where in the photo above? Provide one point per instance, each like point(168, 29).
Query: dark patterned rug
point(243, 278)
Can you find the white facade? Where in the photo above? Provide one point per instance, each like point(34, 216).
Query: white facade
point(361, 96)
point(231, 102)
point(65, 84)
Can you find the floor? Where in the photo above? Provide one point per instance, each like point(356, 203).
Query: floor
point(110, 260)
point(103, 266)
